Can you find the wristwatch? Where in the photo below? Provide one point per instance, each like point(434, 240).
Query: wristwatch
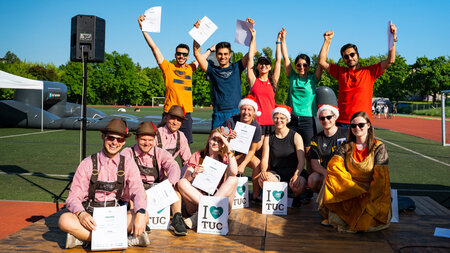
point(142, 210)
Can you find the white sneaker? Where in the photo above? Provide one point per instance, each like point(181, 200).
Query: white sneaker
point(141, 240)
point(191, 222)
point(72, 241)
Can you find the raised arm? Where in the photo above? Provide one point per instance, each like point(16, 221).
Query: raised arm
point(158, 55)
point(232, 163)
point(323, 55)
point(251, 55)
point(277, 67)
point(201, 60)
point(391, 54)
point(206, 54)
point(287, 61)
point(246, 57)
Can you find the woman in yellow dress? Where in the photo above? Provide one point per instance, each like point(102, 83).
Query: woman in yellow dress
point(356, 192)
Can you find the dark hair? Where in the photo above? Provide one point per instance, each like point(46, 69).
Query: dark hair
point(370, 135)
point(223, 44)
point(347, 46)
point(304, 57)
point(274, 86)
point(182, 46)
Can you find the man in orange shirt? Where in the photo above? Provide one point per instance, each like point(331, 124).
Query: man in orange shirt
point(177, 79)
point(355, 82)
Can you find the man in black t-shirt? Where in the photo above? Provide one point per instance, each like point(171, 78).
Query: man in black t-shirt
point(324, 144)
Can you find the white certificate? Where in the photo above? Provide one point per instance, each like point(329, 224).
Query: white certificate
point(152, 21)
point(111, 231)
point(390, 36)
point(244, 137)
point(204, 31)
point(208, 180)
point(243, 35)
point(161, 196)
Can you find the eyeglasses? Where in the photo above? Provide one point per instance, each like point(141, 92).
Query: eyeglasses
point(181, 54)
point(112, 138)
point(347, 56)
point(360, 125)
point(304, 65)
point(329, 117)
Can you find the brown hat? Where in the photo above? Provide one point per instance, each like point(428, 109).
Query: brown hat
point(146, 128)
point(117, 126)
point(177, 111)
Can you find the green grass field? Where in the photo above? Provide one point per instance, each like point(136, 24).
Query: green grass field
point(31, 165)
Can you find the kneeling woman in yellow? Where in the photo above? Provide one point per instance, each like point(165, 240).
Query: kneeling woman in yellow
point(356, 192)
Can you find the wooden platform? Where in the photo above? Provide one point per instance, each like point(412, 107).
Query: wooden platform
point(251, 231)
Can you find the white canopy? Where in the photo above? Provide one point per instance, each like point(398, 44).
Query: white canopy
point(16, 82)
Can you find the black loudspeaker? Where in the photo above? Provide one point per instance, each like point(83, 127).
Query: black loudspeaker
point(87, 35)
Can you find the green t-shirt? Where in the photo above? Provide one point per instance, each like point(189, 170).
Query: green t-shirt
point(302, 94)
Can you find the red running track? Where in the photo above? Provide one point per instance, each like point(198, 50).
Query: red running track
point(421, 127)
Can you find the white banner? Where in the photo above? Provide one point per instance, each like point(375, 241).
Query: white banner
point(275, 198)
point(212, 215)
point(241, 195)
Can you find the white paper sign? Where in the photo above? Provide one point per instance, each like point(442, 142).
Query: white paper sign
point(160, 196)
point(152, 21)
point(390, 36)
point(243, 35)
point(241, 196)
point(275, 198)
point(394, 204)
point(159, 219)
point(111, 231)
point(204, 31)
point(212, 215)
point(244, 137)
point(208, 180)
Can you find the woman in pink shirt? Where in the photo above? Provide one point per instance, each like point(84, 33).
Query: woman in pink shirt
point(263, 84)
point(217, 148)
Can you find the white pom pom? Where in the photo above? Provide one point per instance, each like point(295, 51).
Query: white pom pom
point(258, 113)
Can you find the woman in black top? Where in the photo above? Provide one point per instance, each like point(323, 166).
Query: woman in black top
point(283, 153)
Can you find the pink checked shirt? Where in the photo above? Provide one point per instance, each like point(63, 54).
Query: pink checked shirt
point(133, 188)
point(168, 167)
point(169, 141)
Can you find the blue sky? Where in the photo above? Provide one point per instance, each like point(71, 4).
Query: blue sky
point(39, 31)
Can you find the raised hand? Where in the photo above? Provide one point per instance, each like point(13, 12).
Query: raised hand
point(328, 36)
point(197, 24)
point(140, 20)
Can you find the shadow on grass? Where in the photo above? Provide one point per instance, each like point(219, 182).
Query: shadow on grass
point(439, 193)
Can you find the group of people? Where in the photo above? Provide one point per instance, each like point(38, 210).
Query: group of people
point(344, 163)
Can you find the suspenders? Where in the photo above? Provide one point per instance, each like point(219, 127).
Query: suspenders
point(148, 171)
point(172, 151)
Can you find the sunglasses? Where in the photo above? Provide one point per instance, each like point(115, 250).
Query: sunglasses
point(216, 139)
point(360, 125)
point(329, 117)
point(304, 65)
point(347, 56)
point(112, 138)
point(181, 54)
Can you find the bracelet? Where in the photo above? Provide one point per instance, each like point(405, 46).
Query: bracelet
point(231, 153)
point(78, 215)
point(209, 49)
point(278, 42)
point(395, 39)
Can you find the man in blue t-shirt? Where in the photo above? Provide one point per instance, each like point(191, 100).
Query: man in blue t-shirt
point(225, 80)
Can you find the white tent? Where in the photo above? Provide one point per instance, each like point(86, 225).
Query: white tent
point(11, 81)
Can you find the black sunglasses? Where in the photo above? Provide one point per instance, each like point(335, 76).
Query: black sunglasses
point(360, 125)
point(300, 65)
point(329, 117)
point(181, 54)
point(347, 56)
point(112, 138)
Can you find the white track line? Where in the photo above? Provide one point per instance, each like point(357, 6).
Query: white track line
point(414, 152)
point(9, 136)
point(35, 174)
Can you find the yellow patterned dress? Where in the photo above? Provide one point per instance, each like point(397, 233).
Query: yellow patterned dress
point(355, 195)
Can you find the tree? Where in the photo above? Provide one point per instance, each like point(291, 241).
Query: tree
point(11, 58)
point(391, 83)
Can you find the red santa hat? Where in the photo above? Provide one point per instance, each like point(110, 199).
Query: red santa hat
point(332, 108)
point(283, 109)
point(250, 100)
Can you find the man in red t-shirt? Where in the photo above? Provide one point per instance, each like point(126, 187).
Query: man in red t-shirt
point(355, 82)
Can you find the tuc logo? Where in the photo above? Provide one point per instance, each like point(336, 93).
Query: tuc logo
point(274, 198)
point(159, 219)
point(241, 196)
point(213, 215)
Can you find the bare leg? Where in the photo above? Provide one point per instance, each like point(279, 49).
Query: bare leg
point(228, 189)
point(315, 181)
point(69, 223)
point(191, 196)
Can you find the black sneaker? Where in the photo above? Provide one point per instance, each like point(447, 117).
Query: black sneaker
point(177, 225)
